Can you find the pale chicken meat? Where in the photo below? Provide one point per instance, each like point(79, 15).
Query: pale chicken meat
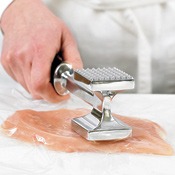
point(53, 130)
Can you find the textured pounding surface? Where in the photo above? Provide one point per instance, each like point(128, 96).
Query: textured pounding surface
point(103, 74)
point(53, 129)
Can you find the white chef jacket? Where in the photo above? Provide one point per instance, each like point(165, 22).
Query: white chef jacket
point(137, 36)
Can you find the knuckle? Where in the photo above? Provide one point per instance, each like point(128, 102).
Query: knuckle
point(20, 53)
point(13, 55)
point(27, 49)
point(36, 47)
point(7, 58)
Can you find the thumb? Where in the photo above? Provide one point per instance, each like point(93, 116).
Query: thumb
point(70, 51)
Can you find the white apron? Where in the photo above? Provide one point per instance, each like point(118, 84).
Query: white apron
point(137, 36)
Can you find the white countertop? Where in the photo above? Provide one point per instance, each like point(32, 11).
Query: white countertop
point(22, 158)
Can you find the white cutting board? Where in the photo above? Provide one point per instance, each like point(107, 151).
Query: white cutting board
point(21, 158)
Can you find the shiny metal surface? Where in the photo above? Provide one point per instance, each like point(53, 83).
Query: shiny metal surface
point(62, 72)
point(64, 83)
point(105, 79)
point(101, 126)
point(98, 92)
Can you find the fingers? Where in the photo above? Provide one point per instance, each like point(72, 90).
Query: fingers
point(29, 62)
point(34, 77)
point(12, 69)
point(27, 76)
point(40, 79)
point(40, 74)
point(17, 65)
point(70, 51)
point(7, 69)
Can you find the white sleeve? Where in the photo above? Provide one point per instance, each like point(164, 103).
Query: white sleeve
point(3, 5)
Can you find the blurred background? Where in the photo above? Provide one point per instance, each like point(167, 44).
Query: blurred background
point(136, 37)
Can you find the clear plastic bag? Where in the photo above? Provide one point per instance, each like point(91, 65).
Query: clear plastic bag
point(53, 130)
point(18, 157)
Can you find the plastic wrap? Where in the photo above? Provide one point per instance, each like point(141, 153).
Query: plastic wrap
point(53, 130)
point(23, 158)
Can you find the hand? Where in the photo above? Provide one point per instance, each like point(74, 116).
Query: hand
point(32, 38)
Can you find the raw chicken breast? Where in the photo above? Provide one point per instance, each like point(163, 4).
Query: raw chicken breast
point(53, 130)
